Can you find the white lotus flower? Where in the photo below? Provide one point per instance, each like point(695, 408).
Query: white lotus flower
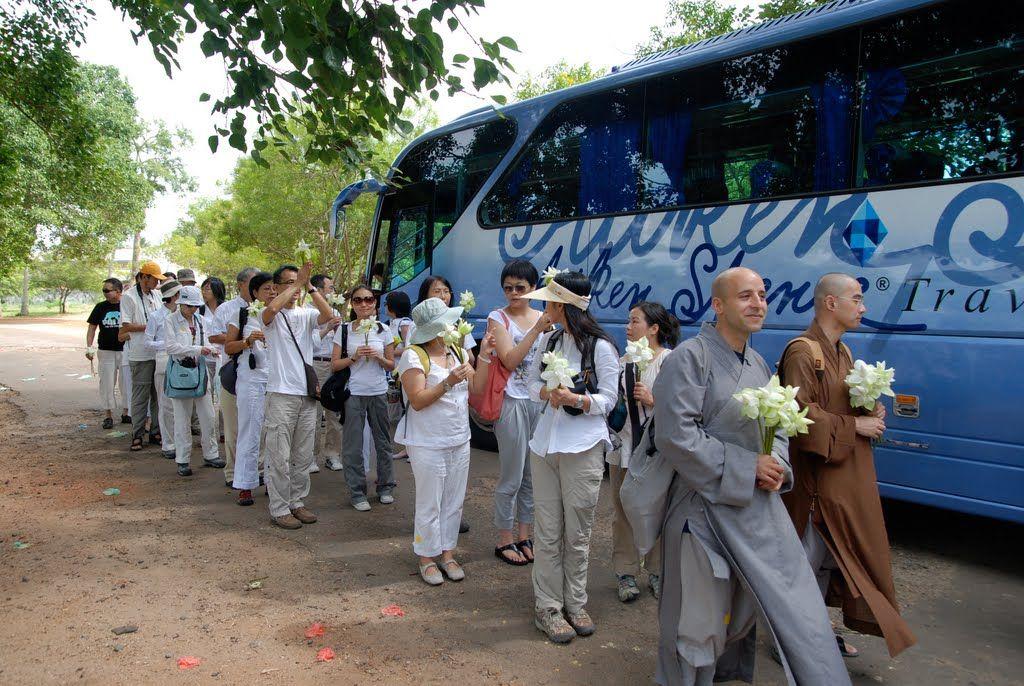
point(869, 382)
point(464, 328)
point(303, 253)
point(255, 308)
point(557, 372)
point(639, 353)
point(550, 273)
point(450, 335)
point(467, 301)
point(774, 407)
point(366, 327)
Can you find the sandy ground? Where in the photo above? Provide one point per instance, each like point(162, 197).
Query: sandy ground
point(175, 557)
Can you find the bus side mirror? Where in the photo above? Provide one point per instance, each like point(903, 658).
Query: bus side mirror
point(345, 198)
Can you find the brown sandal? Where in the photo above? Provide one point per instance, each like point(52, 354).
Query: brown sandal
point(136, 445)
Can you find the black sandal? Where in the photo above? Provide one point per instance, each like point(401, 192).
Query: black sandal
point(156, 439)
point(526, 543)
point(136, 445)
point(845, 650)
point(500, 554)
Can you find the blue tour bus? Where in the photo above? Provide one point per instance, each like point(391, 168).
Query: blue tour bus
point(882, 138)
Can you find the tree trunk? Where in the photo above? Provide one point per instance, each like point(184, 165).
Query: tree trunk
point(25, 279)
point(64, 301)
point(136, 251)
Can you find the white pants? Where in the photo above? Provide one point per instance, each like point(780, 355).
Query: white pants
point(109, 368)
point(440, 475)
point(167, 423)
point(183, 428)
point(251, 401)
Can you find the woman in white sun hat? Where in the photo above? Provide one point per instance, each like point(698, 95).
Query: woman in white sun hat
point(436, 381)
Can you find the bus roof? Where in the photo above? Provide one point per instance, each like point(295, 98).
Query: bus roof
point(832, 16)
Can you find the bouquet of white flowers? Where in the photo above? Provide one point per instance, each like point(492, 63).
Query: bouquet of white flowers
point(454, 334)
point(366, 327)
point(255, 308)
point(868, 383)
point(550, 273)
point(303, 253)
point(557, 372)
point(773, 406)
point(467, 301)
point(639, 353)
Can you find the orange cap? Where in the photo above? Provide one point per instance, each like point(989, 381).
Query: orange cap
point(151, 268)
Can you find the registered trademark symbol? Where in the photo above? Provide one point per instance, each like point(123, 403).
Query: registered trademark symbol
point(882, 284)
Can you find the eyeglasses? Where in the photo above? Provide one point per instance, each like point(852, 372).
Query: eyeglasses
point(519, 288)
point(855, 299)
point(366, 300)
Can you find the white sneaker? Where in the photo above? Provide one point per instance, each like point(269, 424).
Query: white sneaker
point(362, 506)
point(334, 464)
point(387, 499)
point(313, 468)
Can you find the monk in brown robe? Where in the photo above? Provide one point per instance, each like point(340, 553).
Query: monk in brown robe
point(834, 503)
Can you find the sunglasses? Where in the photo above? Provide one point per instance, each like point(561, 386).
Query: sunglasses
point(516, 289)
point(367, 300)
point(110, 290)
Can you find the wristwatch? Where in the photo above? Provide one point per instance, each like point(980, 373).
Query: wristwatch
point(446, 386)
point(311, 290)
point(579, 402)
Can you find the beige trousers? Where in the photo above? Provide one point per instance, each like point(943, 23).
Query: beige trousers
point(288, 450)
point(565, 491)
point(625, 558)
point(327, 442)
point(229, 415)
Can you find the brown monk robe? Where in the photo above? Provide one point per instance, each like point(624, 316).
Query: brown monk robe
point(835, 487)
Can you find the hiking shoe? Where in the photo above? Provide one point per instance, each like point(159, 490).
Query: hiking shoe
point(304, 515)
point(245, 497)
point(386, 499)
point(108, 423)
point(184, 470)
point(463, 526)
point(654, 583)
point(125, 419)
point(334, 464)
point(215, 464)
point(362, 506)
point(169, 454)
point(313, 468)
point(287, 522)
point(553, 624)
point(581, 622)
point(628, 590)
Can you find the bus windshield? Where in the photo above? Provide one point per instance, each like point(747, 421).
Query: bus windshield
point(434, 184)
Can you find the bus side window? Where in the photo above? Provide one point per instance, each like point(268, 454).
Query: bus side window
point(942, 94)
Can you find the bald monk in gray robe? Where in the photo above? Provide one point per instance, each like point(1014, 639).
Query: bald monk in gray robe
point(730, 552)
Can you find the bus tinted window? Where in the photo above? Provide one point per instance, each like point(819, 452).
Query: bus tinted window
point(457, 164)
point(774, 123)
point(582, 160)
point(942, 93)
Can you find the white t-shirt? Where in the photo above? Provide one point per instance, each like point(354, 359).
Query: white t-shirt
point(395, 326)
point(445, 422)
point(516, 386)
point(367, 376)
point(325, 345)
point(284, 362)
point(136, 310)
point(261, 373)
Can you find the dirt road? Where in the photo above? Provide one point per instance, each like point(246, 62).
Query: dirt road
point(175, 558)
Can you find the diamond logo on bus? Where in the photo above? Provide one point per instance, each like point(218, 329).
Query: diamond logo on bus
point(864, 233)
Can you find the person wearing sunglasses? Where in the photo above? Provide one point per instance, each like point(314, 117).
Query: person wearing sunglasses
point(517, 329)
point(370, 358)
point(106, 317)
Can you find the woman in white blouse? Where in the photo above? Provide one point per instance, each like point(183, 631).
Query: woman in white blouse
point(436, 381)
point(250, 385)
point(567, 455)
point(187, 338)
point(651, 321)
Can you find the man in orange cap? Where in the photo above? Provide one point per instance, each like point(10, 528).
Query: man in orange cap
point(137, 304)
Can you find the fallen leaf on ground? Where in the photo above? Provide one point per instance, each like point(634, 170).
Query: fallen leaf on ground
point(20, 545)
point(112, 491)
point(126, 629)
point(315, 629)
point(256, 583)
point(117, 434)
point(188, 662)
point(392, 611)
point(324, 654)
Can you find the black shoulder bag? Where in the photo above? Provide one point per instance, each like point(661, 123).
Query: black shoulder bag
point(229, 372)
point(586, 380)
point(335, 391)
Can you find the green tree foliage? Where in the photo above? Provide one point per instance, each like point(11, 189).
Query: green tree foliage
point(689, 21)
point(63, 277)
point(556, 77)
point(345, 68)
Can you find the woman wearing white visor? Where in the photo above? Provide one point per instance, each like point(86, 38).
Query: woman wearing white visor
point(567, 451)
point(436, 381)
point(188, 344)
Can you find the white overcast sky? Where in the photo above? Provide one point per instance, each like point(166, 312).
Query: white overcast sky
point(603, 32)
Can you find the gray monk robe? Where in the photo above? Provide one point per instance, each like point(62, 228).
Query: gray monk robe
point(729, 549)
